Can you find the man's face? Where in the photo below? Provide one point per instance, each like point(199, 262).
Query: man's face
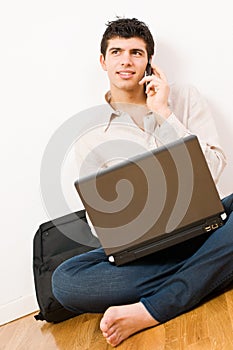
point(125, 61)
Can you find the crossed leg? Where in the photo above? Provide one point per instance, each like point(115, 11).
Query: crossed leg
point(166, 284)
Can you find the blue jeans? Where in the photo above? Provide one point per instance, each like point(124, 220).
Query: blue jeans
point(168, 283)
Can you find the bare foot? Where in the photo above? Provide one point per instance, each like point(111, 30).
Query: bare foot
point(119, 322)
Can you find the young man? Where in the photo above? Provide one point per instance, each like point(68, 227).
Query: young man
point(145, 110)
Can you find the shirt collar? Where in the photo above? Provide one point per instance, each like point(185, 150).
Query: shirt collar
point(113, 114)
point(108, 100)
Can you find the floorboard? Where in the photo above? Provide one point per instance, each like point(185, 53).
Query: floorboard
point(208, 327)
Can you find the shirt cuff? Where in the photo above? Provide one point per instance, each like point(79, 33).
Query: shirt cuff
point(171, 129)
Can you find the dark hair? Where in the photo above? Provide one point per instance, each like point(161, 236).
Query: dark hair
point(127, 28)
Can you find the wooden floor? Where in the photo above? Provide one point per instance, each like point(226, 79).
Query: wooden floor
point(208, 327)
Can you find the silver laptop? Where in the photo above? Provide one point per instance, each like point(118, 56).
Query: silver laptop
point(153, 201)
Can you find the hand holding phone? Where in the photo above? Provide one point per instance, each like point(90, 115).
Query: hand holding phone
point(157, 91)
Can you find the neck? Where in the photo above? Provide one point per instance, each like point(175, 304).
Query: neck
point(128, 97)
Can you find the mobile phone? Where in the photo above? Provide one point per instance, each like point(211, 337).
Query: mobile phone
point(148, 70)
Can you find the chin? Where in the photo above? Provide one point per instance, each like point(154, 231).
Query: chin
point(127, 86)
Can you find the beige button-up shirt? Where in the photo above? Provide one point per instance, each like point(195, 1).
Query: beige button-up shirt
point(111, 136)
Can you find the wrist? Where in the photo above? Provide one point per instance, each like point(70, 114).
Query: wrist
point(162, 114)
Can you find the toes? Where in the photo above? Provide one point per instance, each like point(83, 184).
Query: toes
point(109, 332)
point(103, 326)
point(107, 321)
point(114, 340)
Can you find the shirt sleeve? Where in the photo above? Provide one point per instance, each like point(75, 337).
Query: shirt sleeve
point(85, 167)
point(192, 115)
point(87, 160)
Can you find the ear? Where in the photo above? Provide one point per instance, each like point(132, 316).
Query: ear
point(102, 62)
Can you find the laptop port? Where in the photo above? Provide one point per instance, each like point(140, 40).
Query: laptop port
point(214, 226)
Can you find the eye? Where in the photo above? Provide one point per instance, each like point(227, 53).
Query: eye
point(137, 53)
point(115, 52)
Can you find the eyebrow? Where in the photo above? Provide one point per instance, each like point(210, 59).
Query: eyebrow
point(114, 48)
point(120, 49)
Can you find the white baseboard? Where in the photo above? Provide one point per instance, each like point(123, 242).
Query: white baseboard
point(18, 308)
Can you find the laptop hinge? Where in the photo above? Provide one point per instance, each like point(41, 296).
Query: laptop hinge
point(128, 255)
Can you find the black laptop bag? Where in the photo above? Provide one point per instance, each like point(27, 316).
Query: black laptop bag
point(50, 248)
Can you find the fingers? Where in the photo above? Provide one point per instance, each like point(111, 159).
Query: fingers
point(150, 78)
point(153, 86)
point(159, 73)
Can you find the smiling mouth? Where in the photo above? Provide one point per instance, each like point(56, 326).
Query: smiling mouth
point(125, 75)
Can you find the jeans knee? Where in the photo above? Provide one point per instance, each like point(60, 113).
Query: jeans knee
point(56, 285)
point(69, 290)
point(62, 294)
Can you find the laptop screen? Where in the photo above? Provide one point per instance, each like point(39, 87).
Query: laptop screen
point(151, 195)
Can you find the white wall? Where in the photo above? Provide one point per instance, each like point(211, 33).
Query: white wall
point(50, 70)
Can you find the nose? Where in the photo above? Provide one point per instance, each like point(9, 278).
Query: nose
point(126, 59)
